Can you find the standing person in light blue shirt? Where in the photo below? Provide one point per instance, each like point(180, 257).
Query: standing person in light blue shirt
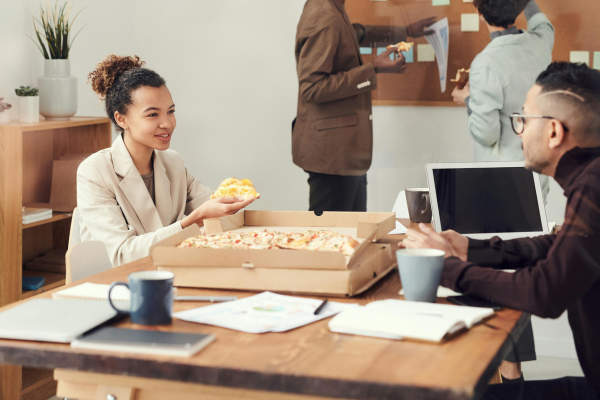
point(500, 77)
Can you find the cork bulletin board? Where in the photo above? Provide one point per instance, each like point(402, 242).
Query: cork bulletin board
point(577, 25)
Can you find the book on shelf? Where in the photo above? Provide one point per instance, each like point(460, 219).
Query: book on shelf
point(34, 214)
point(53, 261)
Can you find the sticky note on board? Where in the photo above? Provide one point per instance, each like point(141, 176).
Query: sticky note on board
point(366, 51)
point(383, 50)
point(469, 22)
point(596, 60)
point(425, 53)
point(440, 2)
point(580, 57)
point(409, 55)
point(467, 1)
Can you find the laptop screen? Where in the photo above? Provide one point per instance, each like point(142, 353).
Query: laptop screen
point(487, 200)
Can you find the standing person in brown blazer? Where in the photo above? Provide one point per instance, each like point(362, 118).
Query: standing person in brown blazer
point(332, 136)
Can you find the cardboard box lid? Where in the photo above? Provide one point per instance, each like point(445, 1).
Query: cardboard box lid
point(364, 222)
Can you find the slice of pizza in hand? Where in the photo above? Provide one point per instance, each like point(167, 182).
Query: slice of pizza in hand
point(462, 78)
point(243, 189)
point(402, 46)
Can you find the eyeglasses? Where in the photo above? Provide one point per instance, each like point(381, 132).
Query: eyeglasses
point(518, 122)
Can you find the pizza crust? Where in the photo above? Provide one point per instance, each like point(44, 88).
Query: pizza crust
point(402, 46)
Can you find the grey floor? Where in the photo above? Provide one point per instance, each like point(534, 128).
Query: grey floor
point(543, 368)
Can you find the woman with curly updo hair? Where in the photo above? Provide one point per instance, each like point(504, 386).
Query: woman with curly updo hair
point(139, 192)
point(500, 77)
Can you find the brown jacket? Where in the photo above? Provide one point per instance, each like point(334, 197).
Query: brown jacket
point(333, 133)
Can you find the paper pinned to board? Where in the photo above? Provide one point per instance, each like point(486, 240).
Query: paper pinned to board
point(400, 229)
point(261, 313)
point(440, 40)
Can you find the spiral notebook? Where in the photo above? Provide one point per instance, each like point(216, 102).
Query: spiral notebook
point(93, 291)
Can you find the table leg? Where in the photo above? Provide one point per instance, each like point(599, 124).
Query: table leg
point(10, 382)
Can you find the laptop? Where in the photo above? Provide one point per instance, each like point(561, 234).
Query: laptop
point(50, 320)
point(486, 199)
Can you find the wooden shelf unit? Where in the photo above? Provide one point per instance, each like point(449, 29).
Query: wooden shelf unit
point(55, 217)
point(27, 152)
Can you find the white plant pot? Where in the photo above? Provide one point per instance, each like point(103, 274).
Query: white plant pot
point(29, 109)
point(58, 90)
point(4, 117)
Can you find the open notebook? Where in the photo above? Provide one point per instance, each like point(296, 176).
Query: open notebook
point(400, 319)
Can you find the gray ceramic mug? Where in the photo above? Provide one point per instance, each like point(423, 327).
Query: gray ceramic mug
point(151, 297)
point(419, 206)
point(420, 273)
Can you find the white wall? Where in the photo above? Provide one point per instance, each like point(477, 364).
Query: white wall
point(230, 67)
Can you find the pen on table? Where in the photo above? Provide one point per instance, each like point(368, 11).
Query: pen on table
point(212, 299)
point(321, 306)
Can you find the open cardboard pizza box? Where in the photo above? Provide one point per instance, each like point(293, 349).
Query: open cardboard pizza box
point(297, 271)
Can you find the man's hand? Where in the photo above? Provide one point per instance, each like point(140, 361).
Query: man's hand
point(459, 243)
point(215, 208)
point(459, 95)
point(383, 64)
point(427, 239)
point(418, 29)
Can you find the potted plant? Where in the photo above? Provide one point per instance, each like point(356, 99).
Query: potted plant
point(29, 104)
point(4, 115)
point(58, 89)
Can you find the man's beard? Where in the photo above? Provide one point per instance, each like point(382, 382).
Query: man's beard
point(534, 161)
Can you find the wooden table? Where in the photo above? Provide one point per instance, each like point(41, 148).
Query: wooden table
point(307, 363)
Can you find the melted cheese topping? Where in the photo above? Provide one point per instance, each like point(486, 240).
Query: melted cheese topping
point(236, 188)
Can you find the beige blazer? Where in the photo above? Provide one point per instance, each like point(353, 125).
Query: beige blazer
point(116, 208)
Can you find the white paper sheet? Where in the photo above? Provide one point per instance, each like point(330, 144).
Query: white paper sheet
point(264, 312)
point(440, 40)
point(400, 229)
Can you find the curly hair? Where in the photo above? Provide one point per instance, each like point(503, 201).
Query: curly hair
point(116, 78)
point(500, 13)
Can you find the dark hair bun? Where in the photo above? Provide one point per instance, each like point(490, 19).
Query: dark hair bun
point(109, 69)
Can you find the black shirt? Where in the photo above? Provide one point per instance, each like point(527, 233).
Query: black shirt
point(554, 272)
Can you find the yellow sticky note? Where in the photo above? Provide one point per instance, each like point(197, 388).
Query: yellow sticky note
point(580, 57)
point(425, 53)
point(469, 22)
point(597, 60)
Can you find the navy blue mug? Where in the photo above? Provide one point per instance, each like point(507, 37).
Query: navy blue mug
point(151, 297)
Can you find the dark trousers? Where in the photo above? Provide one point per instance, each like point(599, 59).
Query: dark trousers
point(525, 346)
point(337, 192)
point(569, 388)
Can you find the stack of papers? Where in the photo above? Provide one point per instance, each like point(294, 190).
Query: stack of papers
point(31, 215)
point(265, 312)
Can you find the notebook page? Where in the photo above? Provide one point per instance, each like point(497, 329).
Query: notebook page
point(93, 291)
point(469, 315)
point(393, 324)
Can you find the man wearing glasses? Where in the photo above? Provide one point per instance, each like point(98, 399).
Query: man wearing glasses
point(560, 128)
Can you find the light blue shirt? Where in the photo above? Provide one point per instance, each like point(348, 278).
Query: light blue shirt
point(500, 77)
